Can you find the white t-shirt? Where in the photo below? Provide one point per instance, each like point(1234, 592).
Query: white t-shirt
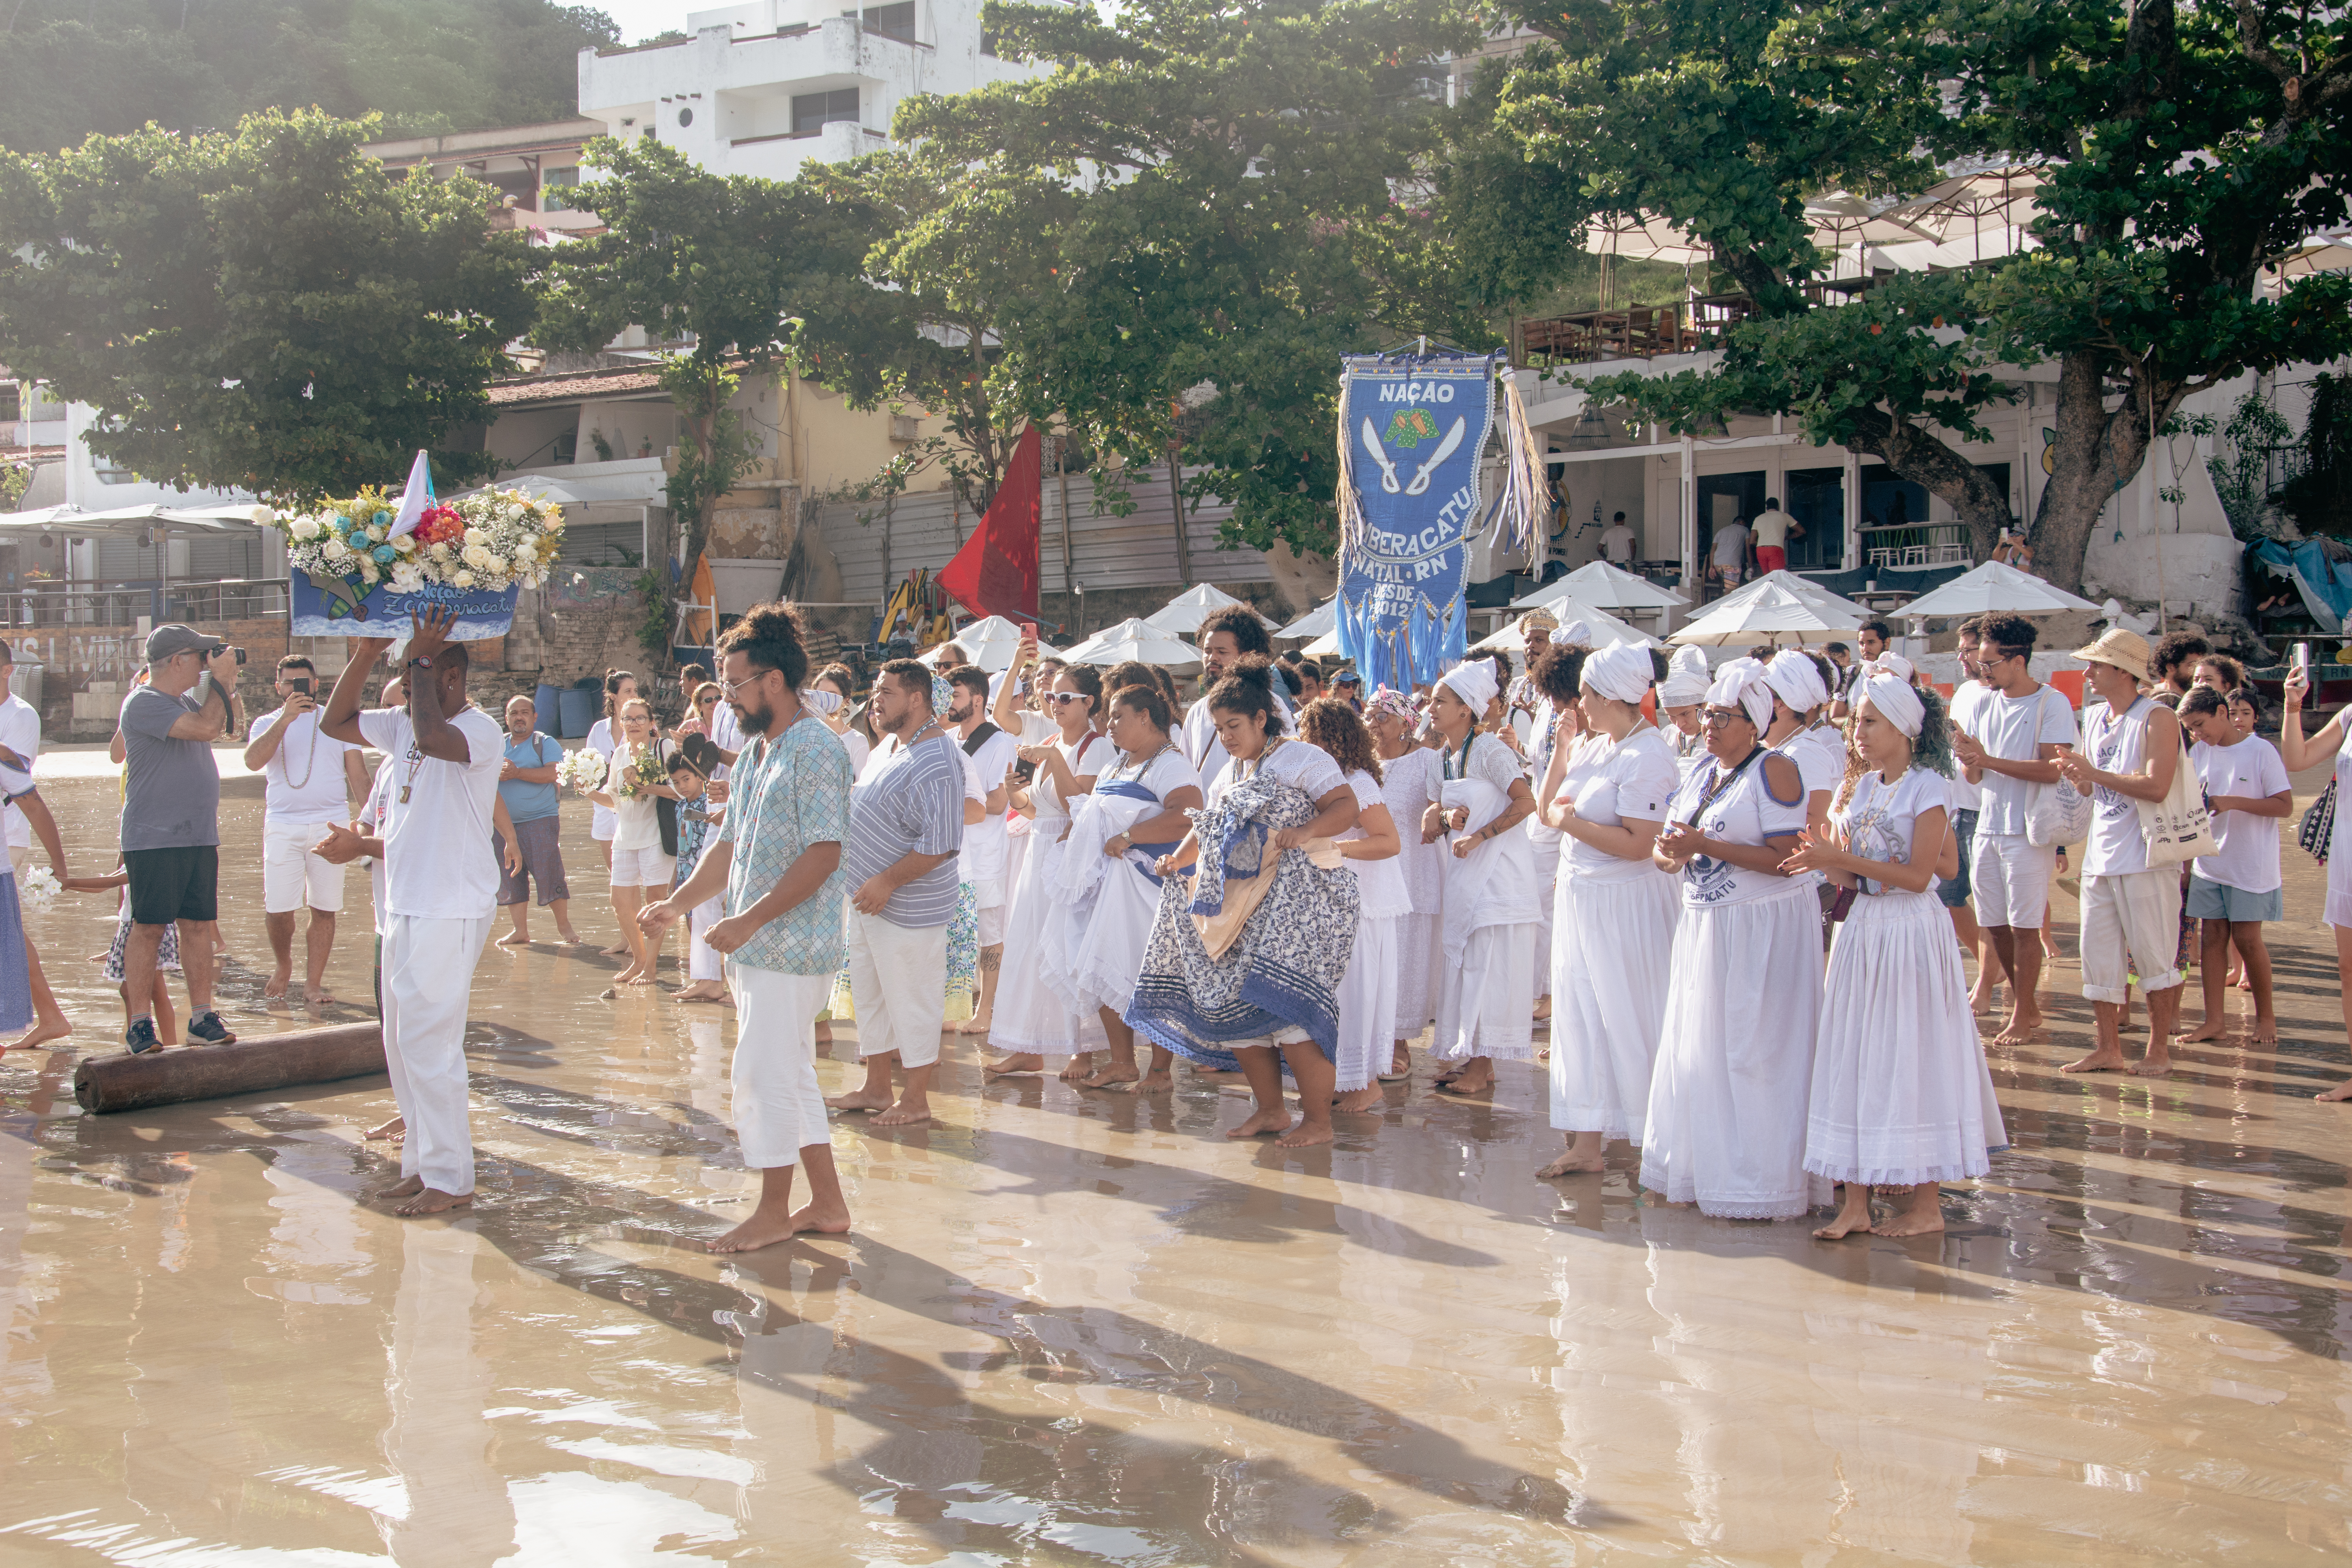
point(1611, 781)
point(1730, 544)
point(1881, 819)
point(602, 823)
point(1742, 811)
point(983, 841)
point(439, 863)
point(2116, 745)
point(1294, 762)
point(726, 730)
point(2015, 728)
point(20, 731)
point(1770, 530)
point(304, 781)
point(1618, 543)
point(637, 821)
point(2248, 858)
point(1201, 747)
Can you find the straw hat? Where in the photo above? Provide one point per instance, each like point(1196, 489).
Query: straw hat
point(2127, 651)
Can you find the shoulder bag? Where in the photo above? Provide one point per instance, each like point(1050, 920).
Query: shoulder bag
point(2056, 813)
point(666, 810)
point(2317, 834)
point(2180, 826)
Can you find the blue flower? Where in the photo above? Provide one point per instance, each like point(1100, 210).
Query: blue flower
point(383, 553)
point(383, 518)
point(341, 523)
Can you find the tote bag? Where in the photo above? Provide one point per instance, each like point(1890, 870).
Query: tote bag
point(2057, 814)
point(2180, 826)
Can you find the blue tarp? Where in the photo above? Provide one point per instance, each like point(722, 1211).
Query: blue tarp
point(2324, 584)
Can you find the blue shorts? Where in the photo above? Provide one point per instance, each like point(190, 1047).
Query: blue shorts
point(1955, 890)
point(2215, 901)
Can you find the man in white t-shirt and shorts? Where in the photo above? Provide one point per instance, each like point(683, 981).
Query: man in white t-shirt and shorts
point(310, 782)
point(1729, 554)
point(441, 886)
point(993, 751)
point(1617, 543)
point(1771, 531)
point(2015, 731)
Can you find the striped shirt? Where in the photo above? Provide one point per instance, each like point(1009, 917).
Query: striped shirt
point(909, 803)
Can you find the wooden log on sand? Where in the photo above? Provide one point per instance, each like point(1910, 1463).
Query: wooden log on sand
point(127, 1083)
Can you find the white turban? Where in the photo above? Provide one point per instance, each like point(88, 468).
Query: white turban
point(1686, 680)
point(1891, 697)
point(1893, 664)
point(1620, 673)
point(1473, 681)
point(1745, 684)
point(1796, 680)
point(820, 699)
point(1576, 634)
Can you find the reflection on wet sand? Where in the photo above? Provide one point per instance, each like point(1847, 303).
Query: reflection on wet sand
point(1088, 1329)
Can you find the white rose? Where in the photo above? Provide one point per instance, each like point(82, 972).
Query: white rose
point(368, 570)
point(305, 528)
point(524, 560)
point(479, 556)
point(464, 579)
point(263, 517)
point(335, 549)
point(440, 550)
point(475, 536)
point(375, 533)
point(406, 578)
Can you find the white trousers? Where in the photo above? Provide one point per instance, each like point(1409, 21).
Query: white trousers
point(429, 973)
point(702, 960)
point(898, 985)
point(778, 1109)
point(2134, 917)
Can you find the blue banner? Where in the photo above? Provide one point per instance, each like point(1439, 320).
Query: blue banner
point(346, 607)
point(1412, 429)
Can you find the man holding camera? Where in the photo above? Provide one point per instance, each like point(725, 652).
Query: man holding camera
point(171, 822)
point(312, 779)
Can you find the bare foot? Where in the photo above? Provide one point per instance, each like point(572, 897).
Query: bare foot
point(1112, 1076)
point(275, 987)
point(1355, 1101)
point(858, 1100)
point(973, 1026)
point(761, 1230)
point(1019, 1064)
point(1080, 1066)
point(408, 1188)
point(2021, 1029)
point(390, 1132)
point(2155, 1064)
point(2211, 1029)
point(565, 937)
point(1271, 1118)
point(701, 991)
point(645, 979)
point(901, 1115)
point(618, 951)
point(515, 939)
point(1851, 1217)
point(1923, 1215)
point(321, 997)
point(40, 1034)
point(1467, 1084)
point(1150, 1083)
point(1575, 1165)
point(2342, 1091)
point(2107, 1058)
point(433, 1200)
point(1305, 1135)
point(2266, 1031)
point(1543, 1009)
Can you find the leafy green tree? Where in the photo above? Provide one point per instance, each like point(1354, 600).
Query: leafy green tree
point(266, 310)
point(2190, 145)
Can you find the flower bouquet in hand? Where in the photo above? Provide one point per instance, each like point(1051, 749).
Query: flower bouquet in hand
point(39, 888)
point(581, 770)
point(637, 775)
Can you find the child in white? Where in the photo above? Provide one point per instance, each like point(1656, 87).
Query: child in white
point(2238, 887)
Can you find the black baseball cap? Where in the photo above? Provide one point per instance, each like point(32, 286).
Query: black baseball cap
point(165, 641)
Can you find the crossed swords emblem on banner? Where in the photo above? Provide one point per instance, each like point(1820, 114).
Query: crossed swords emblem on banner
point(1419, 484)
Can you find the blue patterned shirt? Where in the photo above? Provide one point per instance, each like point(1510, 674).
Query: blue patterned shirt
point(782, 796)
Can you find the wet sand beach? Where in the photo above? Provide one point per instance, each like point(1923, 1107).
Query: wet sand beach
point(1085, 1327)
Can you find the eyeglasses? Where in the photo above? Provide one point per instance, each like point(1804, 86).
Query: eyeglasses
point(1347, 680)
point(730, 688)
point(1720, 716)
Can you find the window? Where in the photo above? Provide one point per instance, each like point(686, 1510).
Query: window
point(892, 21)
point(812, 111)
point(555, 188)
point(1816, 498)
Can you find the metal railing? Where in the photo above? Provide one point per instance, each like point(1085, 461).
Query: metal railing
point(232, 599)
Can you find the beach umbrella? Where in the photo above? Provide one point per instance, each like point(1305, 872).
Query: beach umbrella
point(1804, 588)
point(1324, 617)
point(1183, 614)
point(1991, 201)
point(1775, 616)
point(1840, 218)
point(1604, 586)
point(1323, 646)
point(1994, 588)
point(55, 516)
point(1605, 627)
point(1646, 238)
point(991, 641)
point(1139, 640)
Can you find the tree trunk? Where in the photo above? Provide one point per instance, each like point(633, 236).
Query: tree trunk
point(2096, 453)
point(1927, 460)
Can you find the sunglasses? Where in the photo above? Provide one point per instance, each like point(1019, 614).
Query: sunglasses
point(706, 700)
point(1347, 680)
point(1064, 696)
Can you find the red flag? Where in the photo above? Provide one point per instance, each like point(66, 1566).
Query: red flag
point(995, 572)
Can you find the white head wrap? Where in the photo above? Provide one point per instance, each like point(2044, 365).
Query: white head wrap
point(1796, 680)
point(820, 699)
point(1473, 681)
point(1686, 680)
point(1744, 683)
point(1620, 673)
point(1893, 664)
point(1576, 634)
point(1893, 700)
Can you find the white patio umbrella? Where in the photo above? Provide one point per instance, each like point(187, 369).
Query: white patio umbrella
point(990, 642)
point(1185, 612)
point(1804, 588)
point(1139, 640)
point(1841, 219)
point(1605, 627)
point(1604, 586)
point(1976, 205)
point(1322, 618)
point(1775, 616)
point(1994, 588)
point(1323, 646)
point(55, 516)
point(1652, 238)
point(2318, 253)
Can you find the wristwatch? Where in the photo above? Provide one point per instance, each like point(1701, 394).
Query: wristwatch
point(422, 661)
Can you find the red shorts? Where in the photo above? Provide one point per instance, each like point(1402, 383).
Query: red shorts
point(1772, 558)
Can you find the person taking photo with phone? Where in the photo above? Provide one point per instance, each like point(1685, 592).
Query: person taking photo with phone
point(312, 781)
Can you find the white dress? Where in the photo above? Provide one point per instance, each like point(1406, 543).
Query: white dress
point(2339, 851)
point(1612, 938)
point(1733, 1082)
point(1410, 786)
point(1117, 927)
point(1029, 1013)
point(1367, 991)
point(602, 822)
point(1493, 918)
point(1901, 1093)
point(1547, 845)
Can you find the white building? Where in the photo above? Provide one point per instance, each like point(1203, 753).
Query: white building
point(764, 88)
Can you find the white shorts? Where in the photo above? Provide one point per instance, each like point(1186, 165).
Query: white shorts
point(292, 878)
point(992, 926)
point(2009, 879)
point(643, 869)
point(2130, 919)
point(898, 987)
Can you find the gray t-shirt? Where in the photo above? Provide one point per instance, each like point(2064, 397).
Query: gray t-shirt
point(170, 796)
point(909, 803)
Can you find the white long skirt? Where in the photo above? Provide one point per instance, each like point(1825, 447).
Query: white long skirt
point(1550, 877)
point(1367, 1006)
point(1027, 1014)
point(1109, 949)
point(1901, 1092)
point(1729, 1095)
point(1483, 1007)
point(1612, 945)
point(1420, 945)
